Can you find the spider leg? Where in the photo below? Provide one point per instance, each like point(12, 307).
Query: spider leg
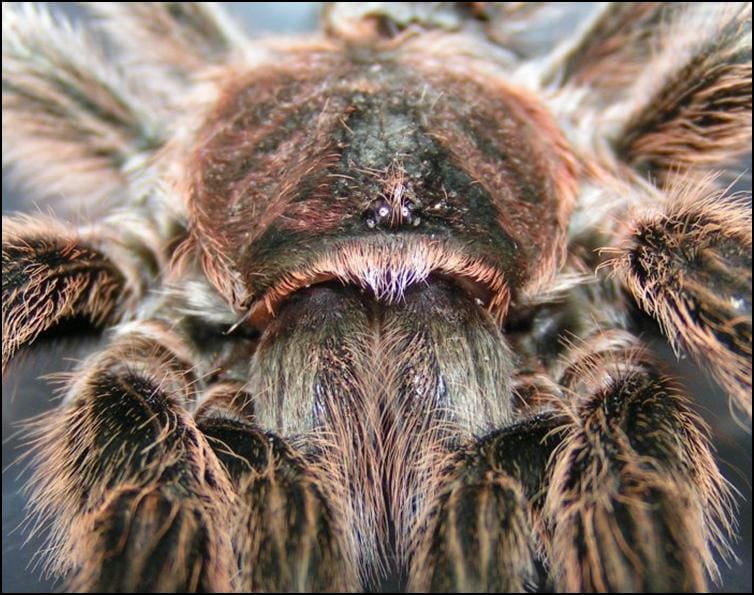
point(481, 532)
point(73, 123)
point(689, 266)
point(616, 488)
point(675, 77)
point(635, 499)
point(612, 49)
point(176, 38)
point(136, 499)
point(691, 108)
point(287, 535)
point(52, 273)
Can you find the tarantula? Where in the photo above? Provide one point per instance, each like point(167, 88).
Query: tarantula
point(371, 293)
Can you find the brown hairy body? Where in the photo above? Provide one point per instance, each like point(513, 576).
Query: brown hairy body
point(371, 295)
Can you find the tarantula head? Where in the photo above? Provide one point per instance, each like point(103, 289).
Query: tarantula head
point(379, 168)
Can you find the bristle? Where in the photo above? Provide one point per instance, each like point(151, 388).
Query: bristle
point(689, 266)
point(691, 109)
point(175, 39)
point(287, 532)
point(612, 49)
point(124, 479)
point(72, 121)
point(51, 274)
point(388, 271)
point(636, 500)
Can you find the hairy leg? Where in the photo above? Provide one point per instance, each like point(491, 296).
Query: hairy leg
point(287, 536)
point(175, 39)
point(689, 266)
point(52, 273)
point(690, 111)
point(612, 49)
point(482, 532)
point(668, 84)
point(636, 501)
point(135, 497)
point(74, 125)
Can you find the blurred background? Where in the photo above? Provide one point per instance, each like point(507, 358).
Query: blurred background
point(26, 393)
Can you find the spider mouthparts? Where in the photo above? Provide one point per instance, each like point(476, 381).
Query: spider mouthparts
point(385, 272)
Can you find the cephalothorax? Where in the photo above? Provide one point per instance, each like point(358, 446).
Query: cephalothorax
point(370, 294)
